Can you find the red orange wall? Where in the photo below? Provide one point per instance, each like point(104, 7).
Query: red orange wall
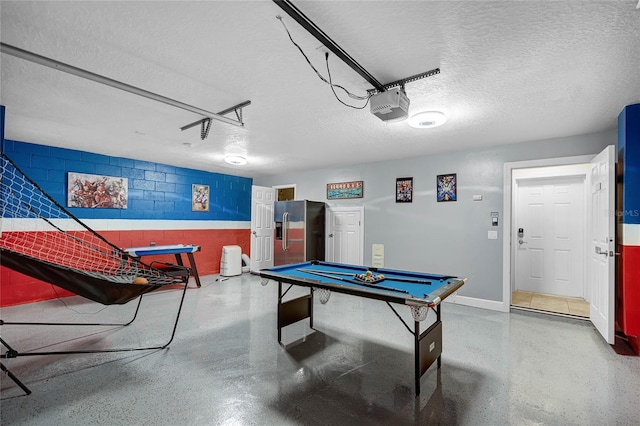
point(629, 314)
point(20, 289)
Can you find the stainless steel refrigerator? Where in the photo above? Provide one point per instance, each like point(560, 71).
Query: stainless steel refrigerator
point(299, 231)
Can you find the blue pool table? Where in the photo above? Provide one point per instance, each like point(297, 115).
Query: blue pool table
point(421, 292)
point(175, 249)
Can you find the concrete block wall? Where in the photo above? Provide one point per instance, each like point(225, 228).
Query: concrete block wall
point(159, 209)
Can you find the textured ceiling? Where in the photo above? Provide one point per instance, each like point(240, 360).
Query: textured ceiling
point(511, 71)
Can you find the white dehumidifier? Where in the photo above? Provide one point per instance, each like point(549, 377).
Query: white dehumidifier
point(231, 262)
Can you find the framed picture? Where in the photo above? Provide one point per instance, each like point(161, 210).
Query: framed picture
point(96, 191)
point(341, 190)
point(447, 187)
point(404, 190)
point(200, 198)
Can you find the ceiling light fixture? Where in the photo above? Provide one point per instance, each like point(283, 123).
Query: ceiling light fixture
point(427, 119)
point(235, 160)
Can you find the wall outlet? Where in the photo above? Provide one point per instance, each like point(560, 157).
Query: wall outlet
point(492, 235)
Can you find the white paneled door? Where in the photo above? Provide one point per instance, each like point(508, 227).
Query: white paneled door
point(262, 200)
point(550, 223)
point(345, 239)
point(602, 243)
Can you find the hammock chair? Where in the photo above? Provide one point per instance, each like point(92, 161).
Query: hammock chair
point(41, 239)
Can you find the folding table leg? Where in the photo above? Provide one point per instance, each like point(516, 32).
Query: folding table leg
point(15, 379)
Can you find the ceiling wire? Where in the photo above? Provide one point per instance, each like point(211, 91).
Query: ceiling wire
point(329, 82)
point(326, 58)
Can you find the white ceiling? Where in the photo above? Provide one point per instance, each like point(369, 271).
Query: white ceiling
point(511, 71)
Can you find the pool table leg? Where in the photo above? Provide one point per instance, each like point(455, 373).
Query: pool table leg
point(293, 310)
point(438, 320)
point(418, 375)
point(428, 348)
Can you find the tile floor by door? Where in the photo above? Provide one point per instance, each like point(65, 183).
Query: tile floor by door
point(355, 367)
point(550, 303)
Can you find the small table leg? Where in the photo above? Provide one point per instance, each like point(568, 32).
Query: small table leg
point(193, 268)
point(192, 261)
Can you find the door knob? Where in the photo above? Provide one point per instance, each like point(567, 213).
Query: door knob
point(254, 233)
point(330, 235)
point(521, 241)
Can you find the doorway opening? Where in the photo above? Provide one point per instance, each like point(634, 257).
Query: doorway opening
point(516, 295)
point(550, 217)
point(285, 192)
point(599, 244)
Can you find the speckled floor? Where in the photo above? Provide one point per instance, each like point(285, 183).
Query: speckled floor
point(225, 367)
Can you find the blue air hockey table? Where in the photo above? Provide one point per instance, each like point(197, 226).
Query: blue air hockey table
point(175, 249)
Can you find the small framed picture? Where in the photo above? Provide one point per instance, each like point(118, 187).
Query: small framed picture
point(404, 190)
point(200, 198)
point(447, 187)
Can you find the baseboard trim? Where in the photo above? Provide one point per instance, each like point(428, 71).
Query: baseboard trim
point(476, 303)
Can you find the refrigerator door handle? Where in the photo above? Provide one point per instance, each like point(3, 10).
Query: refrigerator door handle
point(285, 231)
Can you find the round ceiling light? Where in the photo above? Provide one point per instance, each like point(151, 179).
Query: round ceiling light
point(235, 160)
point(427, 119)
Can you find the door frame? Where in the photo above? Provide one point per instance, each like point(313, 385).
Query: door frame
point(329, 211)
point(507, 255)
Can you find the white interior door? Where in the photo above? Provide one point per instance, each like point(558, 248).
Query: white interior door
point(262, 200)
point(345, 239)
point(602, 243)
point(550, 235)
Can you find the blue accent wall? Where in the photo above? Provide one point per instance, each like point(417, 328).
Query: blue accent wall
point(156, 191)
point(629, 158)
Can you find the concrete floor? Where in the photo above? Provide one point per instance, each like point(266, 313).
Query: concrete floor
point(225, 367)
